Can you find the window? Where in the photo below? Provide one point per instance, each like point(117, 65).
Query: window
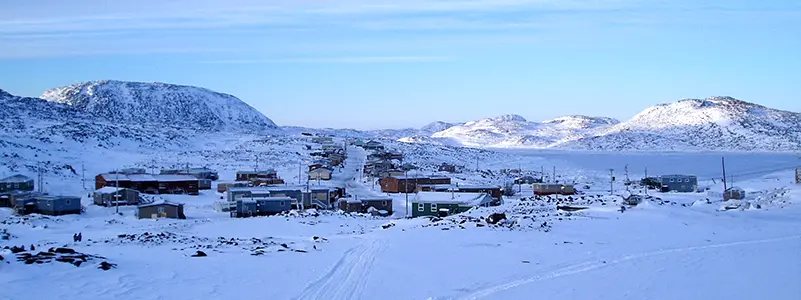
point(433, 207)
point(672, 180)
point(161, 209)
point(282, 203)
point(686, 179)
point(384, 203)
point(421, 207)
point(68, 202)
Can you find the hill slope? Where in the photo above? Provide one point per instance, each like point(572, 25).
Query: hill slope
point(160, 104)
point(715, 123)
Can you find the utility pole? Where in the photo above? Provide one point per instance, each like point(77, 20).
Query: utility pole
point(476, 162)
point(627, 178)
point(406, 189)
point(117, 196)
point(542, 174)
point(647, 181)
point(257, 164)
point(611, 181)
point(723, 165)
point(83, 176)
point(300, 166)
point(554, 174)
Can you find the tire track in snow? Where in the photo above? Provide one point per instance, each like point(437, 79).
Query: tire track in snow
point(348, 277)
point(597, 264)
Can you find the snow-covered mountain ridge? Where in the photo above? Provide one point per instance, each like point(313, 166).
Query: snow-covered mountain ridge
point(161, 104)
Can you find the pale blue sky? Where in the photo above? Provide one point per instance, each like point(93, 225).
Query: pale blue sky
point(370, 64)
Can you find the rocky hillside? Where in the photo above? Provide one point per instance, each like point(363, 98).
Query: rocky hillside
point(716, 123)
point(160, 104)
point(515, 131)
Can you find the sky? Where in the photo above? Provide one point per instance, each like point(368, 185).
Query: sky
point(375, 64)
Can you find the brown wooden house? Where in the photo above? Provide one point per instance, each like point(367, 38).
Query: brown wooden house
point(404, 184)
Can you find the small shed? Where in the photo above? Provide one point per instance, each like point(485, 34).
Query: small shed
point(445, 167)
point(107, 196)
point(161, 209)
point(320, 174)
point(58, 205)
point(734, 193)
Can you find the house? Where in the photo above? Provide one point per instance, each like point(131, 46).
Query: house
point(161, 209)
point(129, 171)
point(264, 206)
point(679, 183)
point(16, 183)
point(266, 181)
point(110, 196)
point(58, 205)
point(408, 167)
point(351, 205)
point(408, 184)
point(203, 184)
point(322, 139)
point(247, 175)
point(306, 196)
point(493, 190)
point(436, 204)
point(199, 173)
point(444, 167)
point(373, 145)
point(12, 198)
point(222, 187)
point(379, 203)
point(528, 179)
point(177, 184)
point(734, 193)
point(553, 189)
point(322, 173)
point(150, 184)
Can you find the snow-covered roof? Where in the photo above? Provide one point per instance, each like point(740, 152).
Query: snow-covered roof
point(453, 198)
point(268, 171)
point(115, 177)
point(174, 178)
point(109, 190)
point(321, 169)
point(160, 203)
point(142, 177)
point(375, 198)
point(18, 178)
point(461, 186)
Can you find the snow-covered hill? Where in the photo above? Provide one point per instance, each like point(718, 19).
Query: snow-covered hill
point(716, 123)
point(162, 104)
point(515, 131)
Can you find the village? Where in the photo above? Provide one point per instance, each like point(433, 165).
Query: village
point(376, 182)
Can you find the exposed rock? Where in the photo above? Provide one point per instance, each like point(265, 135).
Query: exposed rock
point(199, 254)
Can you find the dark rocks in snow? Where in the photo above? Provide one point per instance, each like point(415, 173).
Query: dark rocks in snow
point(300, 250)
point(495, 218)
point(105, 266)
point(199, 254)
point(64, 251)
point(16, 249)
point(387, 226)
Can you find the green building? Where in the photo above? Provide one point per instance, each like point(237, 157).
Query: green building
point(446, 203)
point(16, 183)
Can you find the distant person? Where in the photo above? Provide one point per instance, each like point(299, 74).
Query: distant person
point(74, 237)
point(80, 237)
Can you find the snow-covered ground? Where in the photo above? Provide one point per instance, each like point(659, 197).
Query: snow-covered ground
point(679, 246)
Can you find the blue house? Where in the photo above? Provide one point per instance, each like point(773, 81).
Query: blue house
point(58, 205)
point(262, 206)
point(679, 183)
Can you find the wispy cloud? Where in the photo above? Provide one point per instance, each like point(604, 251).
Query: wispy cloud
point(337, 60)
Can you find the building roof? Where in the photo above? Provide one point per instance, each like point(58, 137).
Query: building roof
point(301, 188)
point(17, 178)
point(115, 177)
point(109, 190)
point(174, 178)
point(321, 169)
point(145, 177)
point(412, 177)
point(268, 171)
point(453, 198)
point(462, 186)
point(375, 198)
point(160, 203)
point(679, 175)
